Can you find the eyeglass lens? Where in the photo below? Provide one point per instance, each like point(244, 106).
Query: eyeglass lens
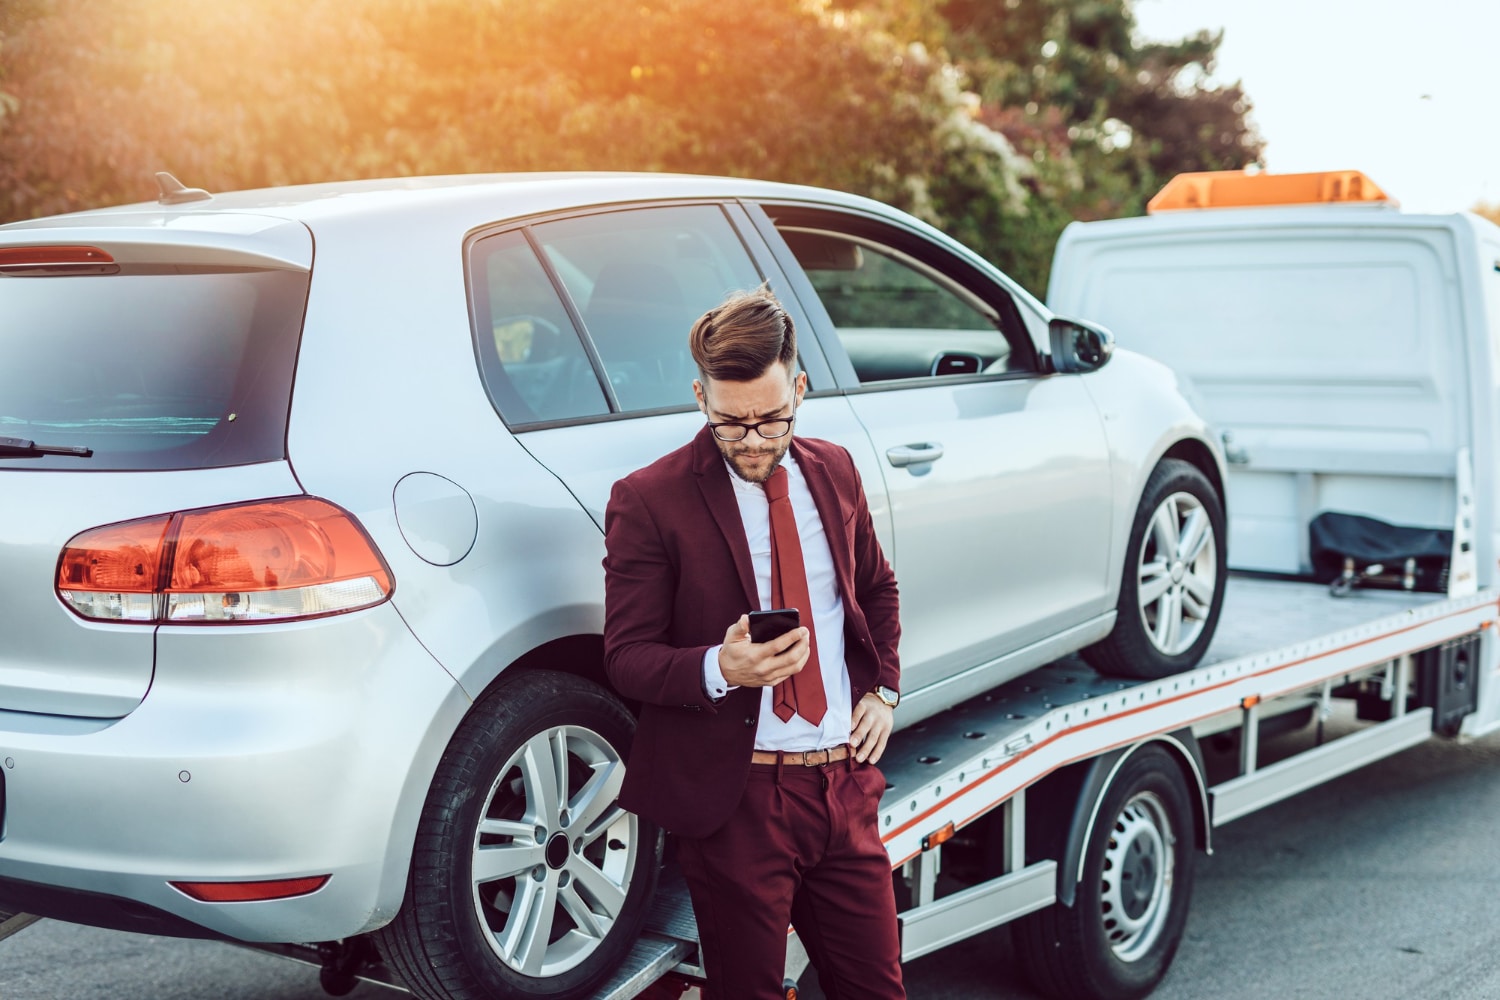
point(766, 429)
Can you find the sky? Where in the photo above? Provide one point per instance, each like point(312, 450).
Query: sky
point(1405, 91)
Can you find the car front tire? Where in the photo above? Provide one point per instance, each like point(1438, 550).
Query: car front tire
point(1173, 585)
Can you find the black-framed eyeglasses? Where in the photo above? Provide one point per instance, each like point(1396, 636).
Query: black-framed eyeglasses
point(733, 430)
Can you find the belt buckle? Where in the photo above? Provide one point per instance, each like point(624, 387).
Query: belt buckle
point(807, 758)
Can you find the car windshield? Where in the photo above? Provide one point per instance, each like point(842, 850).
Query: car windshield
point(149, 371)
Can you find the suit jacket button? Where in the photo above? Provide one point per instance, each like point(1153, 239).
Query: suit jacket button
point(749, 720)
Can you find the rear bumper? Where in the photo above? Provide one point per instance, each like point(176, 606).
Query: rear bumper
point(96, 909)
point(260, 752)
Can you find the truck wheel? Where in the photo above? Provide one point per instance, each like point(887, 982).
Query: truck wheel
point(1118, 938)
point(1174, 579)
point(527, 880)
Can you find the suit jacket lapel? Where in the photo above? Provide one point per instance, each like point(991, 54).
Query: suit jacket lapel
point(718, 494)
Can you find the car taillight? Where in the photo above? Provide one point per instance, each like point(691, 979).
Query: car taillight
point(269, 560)
point(56, 260)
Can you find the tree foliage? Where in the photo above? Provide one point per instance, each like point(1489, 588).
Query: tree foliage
point(998, 120)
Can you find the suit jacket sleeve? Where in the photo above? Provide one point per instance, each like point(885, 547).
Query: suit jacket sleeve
point(875, 589)
point(640, 593)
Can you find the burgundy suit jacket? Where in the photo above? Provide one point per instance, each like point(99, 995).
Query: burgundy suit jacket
point(677, 574)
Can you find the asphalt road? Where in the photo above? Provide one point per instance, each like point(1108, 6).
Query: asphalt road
point(1382, 884)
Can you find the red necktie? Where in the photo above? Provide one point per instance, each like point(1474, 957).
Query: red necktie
point(802, 693)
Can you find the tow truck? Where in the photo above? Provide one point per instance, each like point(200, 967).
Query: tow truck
point(1069, 805)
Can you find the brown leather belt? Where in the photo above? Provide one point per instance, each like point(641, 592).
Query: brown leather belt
point(804, 758)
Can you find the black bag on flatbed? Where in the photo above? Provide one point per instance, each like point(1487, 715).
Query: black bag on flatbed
point(1350, 550)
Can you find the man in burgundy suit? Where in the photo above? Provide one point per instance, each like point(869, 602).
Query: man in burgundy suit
point(760, 757)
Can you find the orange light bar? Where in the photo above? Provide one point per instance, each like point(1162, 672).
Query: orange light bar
point(1249, 701)
point(251, 892)
point(1238, 189)
point(941, 835)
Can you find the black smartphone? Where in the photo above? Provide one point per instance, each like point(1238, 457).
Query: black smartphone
point(767, 625)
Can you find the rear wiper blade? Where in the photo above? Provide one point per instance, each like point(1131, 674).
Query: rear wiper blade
point(22, 448)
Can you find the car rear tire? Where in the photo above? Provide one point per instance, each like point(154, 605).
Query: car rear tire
point(1120, 935)
point(527, 879)
point(1173, 584)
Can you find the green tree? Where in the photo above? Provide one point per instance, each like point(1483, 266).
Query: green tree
point(1104, 118)
point(998, 121)
point(226, 96)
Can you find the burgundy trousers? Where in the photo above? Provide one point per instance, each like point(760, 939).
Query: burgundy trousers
point(802, 848)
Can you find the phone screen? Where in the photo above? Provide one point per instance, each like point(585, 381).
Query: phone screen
point(767, 625)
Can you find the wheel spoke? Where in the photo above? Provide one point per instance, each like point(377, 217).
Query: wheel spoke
point(524, 941)
point(1201, 594)
point(1169, 621)
point(1192, 609)
point(514, 829)
point(594, 799)
point(1164, 529)
point(604, 824)
point(599, 888)
point(1154, 582)
point(543, 764)
point(1174, 637)
point(589, 922)
point(506, 861)
point(1195, 534)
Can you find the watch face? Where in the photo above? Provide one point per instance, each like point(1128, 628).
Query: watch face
point(886, 695)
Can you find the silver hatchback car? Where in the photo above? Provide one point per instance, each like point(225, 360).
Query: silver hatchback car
point(301, 494)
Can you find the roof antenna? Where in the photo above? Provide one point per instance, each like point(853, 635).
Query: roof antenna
point(174, 192)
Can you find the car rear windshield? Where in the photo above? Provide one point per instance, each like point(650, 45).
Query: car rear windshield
point(150, 371)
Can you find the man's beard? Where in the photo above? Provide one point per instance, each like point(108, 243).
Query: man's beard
point(756, 471)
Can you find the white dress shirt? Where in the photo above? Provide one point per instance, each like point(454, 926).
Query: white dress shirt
point(827, 615)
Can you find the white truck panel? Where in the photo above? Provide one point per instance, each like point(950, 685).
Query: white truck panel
point(1327, 342)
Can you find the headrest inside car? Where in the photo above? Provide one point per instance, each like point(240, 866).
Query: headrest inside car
point(822, 252)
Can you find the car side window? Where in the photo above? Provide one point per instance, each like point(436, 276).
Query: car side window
point(896, 317)
point(639, 279)
point(533, 363)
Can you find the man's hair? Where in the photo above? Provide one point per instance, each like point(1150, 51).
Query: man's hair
point(739, 340)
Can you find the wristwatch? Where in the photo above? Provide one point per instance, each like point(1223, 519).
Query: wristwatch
point(885, 694)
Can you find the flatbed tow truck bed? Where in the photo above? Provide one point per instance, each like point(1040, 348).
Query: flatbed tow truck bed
point(1277, 639)
point(1280, 645)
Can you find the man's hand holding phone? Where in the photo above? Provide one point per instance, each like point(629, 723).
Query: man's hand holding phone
point(764, 648)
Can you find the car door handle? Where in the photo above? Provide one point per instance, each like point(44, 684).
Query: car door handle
point(914, 454)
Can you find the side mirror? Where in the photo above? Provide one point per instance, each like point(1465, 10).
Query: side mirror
point(1079, 346)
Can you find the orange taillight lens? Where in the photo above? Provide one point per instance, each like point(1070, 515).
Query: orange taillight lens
point(269, 560)
point(113, 573)
point(275, 545)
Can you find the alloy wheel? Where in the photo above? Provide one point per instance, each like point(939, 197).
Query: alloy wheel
point(553, 859)
point(1177, 573)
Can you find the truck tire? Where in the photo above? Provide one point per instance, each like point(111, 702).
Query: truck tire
point(1119, 937)
point(1173, 584)
point(527, 879)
